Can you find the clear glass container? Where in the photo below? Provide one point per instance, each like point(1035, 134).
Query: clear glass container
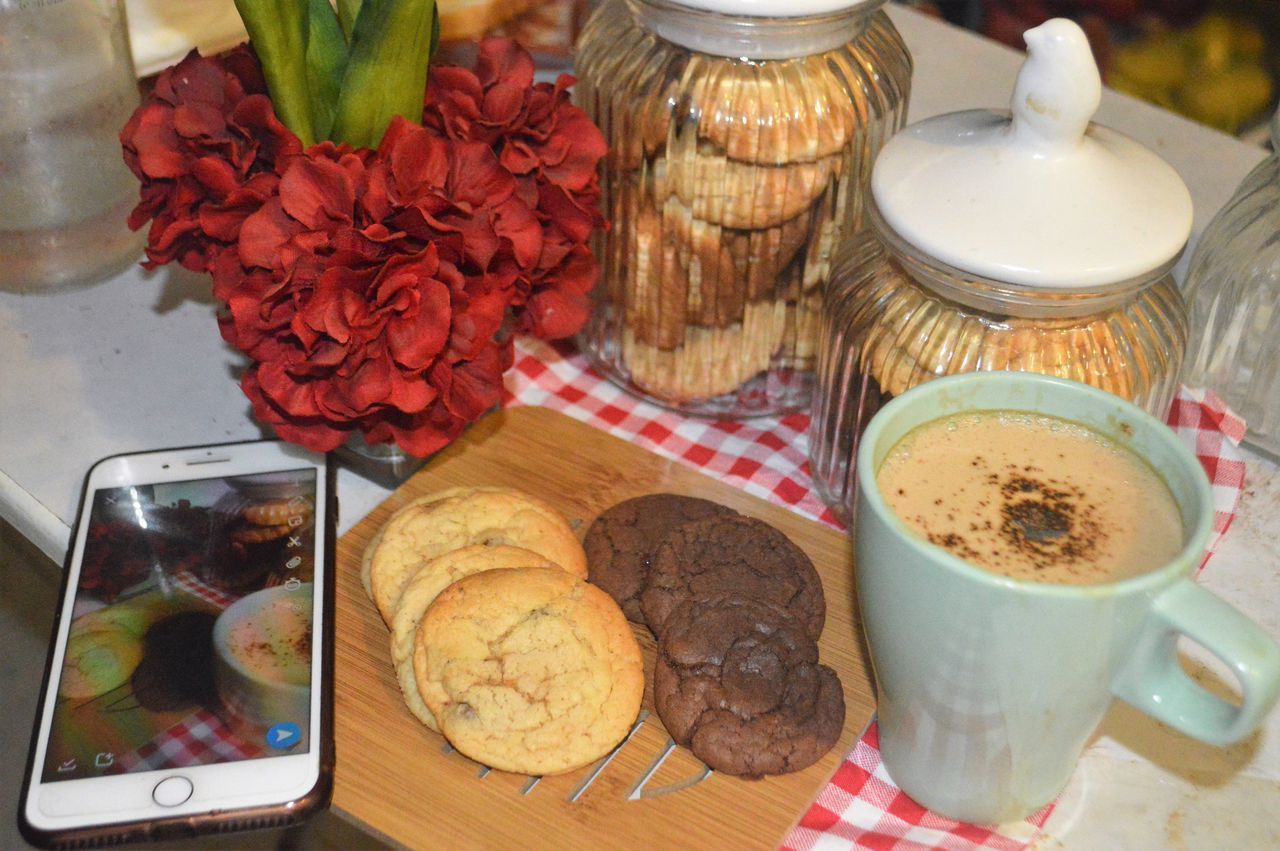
point(67, 86)
point(740, 149)
point(1233, 292)
point(896, 317)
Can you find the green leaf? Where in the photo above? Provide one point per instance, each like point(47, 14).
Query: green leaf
point(326, 60)
point(386, 69)
point(347, 12)
point(278, 31)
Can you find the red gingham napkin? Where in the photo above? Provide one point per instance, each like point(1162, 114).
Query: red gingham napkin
point(192, 584)
point(862, 808)
point(1213, 431)
point(765, 456)
point(768, 456)
point(199, 738)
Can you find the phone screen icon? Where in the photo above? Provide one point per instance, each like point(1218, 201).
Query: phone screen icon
point(284, 735)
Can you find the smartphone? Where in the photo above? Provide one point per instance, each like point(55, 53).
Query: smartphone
point(190, 677)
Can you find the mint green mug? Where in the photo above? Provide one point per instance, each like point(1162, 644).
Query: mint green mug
point(988, 688)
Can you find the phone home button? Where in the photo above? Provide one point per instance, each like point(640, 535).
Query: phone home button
point(172, 791)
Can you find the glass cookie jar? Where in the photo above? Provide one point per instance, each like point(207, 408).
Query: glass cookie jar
point(740, 149)
point(1233, 289)
point(1024, 241)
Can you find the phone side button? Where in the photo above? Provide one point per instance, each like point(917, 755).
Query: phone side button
point(172, 791)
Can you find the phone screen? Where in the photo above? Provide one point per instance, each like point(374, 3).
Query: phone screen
point(191, 633)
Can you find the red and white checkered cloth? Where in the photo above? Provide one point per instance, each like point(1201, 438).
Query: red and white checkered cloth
point(1213, 431)
point(194, 585)
point(862, 808)
point(768, 457)
point(765, 456)
point(198, 739)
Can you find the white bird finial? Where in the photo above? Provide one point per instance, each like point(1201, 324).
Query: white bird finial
point(1058, 88)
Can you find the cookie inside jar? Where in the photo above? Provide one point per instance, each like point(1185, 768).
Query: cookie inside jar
point(255, 537)
point(730, 182)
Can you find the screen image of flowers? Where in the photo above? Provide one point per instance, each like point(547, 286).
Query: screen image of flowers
point(376, 230)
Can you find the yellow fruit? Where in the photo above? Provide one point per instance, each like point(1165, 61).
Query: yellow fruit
point(1156, 64)
point(1162, 97)
point(1227, 100)
point(1211, 43)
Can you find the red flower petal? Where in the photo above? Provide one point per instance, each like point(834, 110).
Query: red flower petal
point(317, 192)
point(556, 314)
point(504, 60)
point(198, 119)
point(416, 336)
point(514, 221)
point(197, 79)
point(255, 118)
point(155, 142)
point(476, 177)
point(418, 158)
point(264, 233)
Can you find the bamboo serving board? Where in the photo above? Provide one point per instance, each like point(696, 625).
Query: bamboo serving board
point(400, 780)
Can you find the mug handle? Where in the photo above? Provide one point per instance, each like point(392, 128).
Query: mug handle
point(1152, 679)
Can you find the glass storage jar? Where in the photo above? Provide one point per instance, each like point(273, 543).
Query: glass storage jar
point(995, 244)
point(1233, 290)
point(740, 148)
point(67, 86)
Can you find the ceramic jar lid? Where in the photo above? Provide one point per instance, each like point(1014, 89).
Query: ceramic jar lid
point(1040, 197)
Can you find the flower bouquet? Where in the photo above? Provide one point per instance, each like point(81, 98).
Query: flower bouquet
point(375, 234)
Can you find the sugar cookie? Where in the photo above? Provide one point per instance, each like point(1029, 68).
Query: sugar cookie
point(530, 670)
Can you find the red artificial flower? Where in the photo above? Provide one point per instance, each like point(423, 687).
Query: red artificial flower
point(204, 145)
point(374, 291)
point(372, 283)
point(553, 149)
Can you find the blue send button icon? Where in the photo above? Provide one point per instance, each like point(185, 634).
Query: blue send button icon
point(284, 735)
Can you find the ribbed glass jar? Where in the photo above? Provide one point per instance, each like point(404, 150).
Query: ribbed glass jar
point(740, 149)
point(895, 318)
point(1233, 289)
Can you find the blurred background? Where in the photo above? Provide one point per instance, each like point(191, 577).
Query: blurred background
point(1214, 61)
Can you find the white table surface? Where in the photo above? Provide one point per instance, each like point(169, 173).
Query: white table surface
point(136, 363)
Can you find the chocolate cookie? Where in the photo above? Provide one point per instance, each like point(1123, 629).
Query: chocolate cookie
point(738, 556)
point(738, 682)
point(622, 541)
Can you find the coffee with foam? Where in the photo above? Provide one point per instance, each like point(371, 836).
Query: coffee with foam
point(1032, 497)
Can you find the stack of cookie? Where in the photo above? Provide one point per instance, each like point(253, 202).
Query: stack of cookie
point(740, 147)
point(737, 609)
point(729, 221)
point(249, 539)
point(498, 641)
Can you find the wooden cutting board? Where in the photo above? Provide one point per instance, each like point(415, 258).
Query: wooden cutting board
point(399, 779)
